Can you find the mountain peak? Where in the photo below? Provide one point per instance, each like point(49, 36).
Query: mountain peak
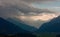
point(58, 17)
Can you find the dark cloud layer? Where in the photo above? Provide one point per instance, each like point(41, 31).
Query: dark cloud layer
point(9, 8)
point(8, 11)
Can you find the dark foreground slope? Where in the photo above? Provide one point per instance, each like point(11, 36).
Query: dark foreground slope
point(9, 29)
point(52, 26)
point(50, 29)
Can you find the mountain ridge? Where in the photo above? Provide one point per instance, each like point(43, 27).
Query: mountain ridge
point(7, 27)
point(51, 26)
point(22, 24)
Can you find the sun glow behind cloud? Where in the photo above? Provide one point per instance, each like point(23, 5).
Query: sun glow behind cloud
point(37, 20)
point(42, 17)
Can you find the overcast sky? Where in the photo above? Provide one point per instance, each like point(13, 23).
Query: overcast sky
point(12, 8)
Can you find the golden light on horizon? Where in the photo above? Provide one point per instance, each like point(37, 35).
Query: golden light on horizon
point(43, 17)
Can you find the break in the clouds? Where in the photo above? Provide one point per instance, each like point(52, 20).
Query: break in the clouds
point(50, 5)
point(37, 20)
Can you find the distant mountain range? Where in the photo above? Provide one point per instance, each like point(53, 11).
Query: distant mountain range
point(51, 26)
point(21, 24)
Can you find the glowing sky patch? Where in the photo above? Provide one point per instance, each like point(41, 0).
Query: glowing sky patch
point(37, 20)
point(42, 17)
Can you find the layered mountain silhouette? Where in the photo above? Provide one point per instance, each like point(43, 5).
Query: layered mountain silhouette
point(52, 26)
point(7, 27)
point(21, 24)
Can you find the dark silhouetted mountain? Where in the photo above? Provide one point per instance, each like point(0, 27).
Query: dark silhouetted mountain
point(51, 26)
point(7, 27)
point(21, 24)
